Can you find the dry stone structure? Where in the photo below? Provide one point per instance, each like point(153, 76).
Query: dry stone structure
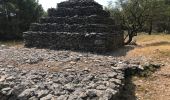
point(75, 25)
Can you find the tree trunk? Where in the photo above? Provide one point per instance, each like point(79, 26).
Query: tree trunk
point(130, 38)
point(150, 29)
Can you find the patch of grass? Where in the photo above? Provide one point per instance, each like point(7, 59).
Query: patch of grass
point(143, 38)
point(165, 53)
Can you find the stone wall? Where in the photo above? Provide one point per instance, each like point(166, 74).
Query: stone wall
point(98, 42)
point(76, 25)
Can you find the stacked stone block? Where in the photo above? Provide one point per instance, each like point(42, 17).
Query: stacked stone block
point(75, 25)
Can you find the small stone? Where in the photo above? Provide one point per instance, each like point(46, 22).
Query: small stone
point(3, 45)
point(120, 77)
point(101, 87)
point(55, 85)
point(156, 65)
point(109, 90)
point(2, 69)
point(92, 86)
point(28, 61)
point(10, 92)
point(54, 98)
point(72, 62)
point(33, 98)
point(77, 59)
point(46, 65)
point(10, 66)
point(48, 97)
point(23, 73)
point(2, 78)
point(86, 69)
point(112, 74)
point(91, 93)
point(70, 70)
point(63, 97)
point(116, 81)
point(122, 65)
point(107, 95)
point(162, 64)
point(27, 92)
point(69, 87)
point(89, 78)
point(82, 95)
point(113, 64)
point(111, 85)
point(6, 89)
point(11, 78)
point(42, 93)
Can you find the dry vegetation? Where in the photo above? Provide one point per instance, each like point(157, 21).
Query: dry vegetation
point(12, 43)
point(157, 86)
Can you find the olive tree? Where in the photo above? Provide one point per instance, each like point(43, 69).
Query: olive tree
point(134, 15)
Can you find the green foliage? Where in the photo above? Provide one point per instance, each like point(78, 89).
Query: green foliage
point(16, 16)
point(141, 15)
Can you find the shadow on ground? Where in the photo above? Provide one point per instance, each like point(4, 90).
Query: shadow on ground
point(158, 43)
point(121, 51)
point(3, 97)
point(128, 91)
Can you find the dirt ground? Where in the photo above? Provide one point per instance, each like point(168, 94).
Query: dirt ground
point(156, 86)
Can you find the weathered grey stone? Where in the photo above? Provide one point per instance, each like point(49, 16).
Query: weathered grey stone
point(6, 89)
point(42, 93)
point(2, 78)
point(48, 97)
point(107, 95)
point(101, 87)
point(91, 93)
point(63, 97)
point(89, 78)
point(10, 66)
point(33, 98)
point(75, 25)
point(69, 87)
point(26, 93)
point(91, 86)
point(112, 75)
point(10, 78)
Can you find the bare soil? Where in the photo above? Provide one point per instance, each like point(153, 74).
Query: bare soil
point(156, 86)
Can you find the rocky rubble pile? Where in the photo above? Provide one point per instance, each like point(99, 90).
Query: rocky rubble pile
point(104, 82)
point(69, 85)
point(76, 25)
point(42, 74)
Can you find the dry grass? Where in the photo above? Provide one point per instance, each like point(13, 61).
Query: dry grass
point(151, 46)
point(144, 39)
point(157, 86)
point(11, 43)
